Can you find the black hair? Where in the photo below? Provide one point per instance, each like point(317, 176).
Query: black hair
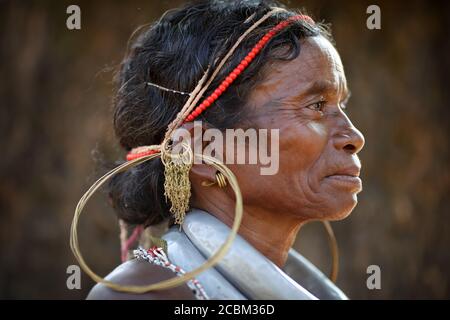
point(174, 52)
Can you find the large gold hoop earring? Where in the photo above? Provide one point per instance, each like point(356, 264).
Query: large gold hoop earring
point(333, 247)
point(332, 242)
point(170, 283)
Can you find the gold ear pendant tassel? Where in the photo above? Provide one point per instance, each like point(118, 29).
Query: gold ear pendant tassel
point(177, 186)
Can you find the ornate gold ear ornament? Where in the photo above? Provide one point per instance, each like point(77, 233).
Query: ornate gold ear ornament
point(173, 282)
point(221, 181)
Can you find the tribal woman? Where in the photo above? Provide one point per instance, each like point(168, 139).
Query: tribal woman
point(203, 226)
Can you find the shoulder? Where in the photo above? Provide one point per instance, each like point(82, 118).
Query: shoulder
point(139, 272)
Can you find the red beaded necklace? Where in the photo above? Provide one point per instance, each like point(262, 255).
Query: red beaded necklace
point(232, 76)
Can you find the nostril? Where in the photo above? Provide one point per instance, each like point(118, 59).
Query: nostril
point(350, 148)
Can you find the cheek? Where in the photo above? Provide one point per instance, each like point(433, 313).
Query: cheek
point(301, 153)
point(302, 146)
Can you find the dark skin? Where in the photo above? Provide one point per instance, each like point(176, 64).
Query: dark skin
point(319, 167)
point(318, 176)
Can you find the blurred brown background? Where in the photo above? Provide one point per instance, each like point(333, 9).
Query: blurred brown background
point(55, 122)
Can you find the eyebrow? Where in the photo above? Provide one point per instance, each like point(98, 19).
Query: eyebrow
point(318, 87)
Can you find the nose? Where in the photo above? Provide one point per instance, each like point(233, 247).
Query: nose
point(349, 138)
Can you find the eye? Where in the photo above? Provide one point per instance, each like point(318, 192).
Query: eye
point(317, 106)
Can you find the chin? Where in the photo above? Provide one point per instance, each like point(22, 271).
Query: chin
point(330, 205)
point(342, 208)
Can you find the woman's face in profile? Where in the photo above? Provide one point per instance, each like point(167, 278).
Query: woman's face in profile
point(318, 176)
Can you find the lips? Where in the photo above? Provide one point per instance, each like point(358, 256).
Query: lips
point(346, 177)
point(352, 171)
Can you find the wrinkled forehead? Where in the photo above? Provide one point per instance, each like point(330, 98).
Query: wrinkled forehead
point(318, 62)
point(318, 55)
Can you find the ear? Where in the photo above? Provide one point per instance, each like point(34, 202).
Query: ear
point(200, 171)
